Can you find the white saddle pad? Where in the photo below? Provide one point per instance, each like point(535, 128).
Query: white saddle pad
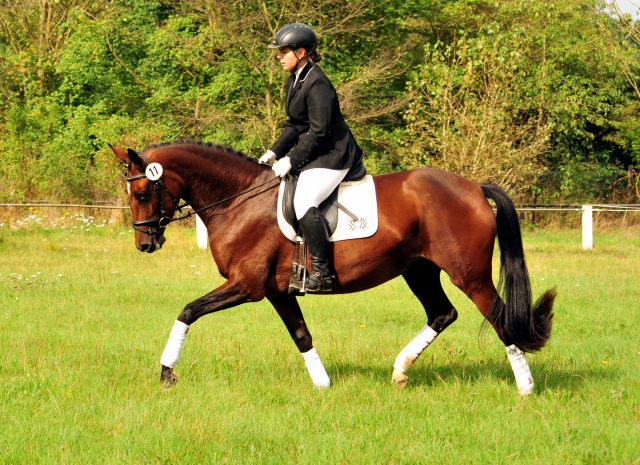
point(359, 197)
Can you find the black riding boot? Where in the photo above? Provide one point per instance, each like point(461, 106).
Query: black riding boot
point(316, 235)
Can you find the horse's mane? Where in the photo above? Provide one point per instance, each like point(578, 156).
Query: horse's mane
point(204, 145)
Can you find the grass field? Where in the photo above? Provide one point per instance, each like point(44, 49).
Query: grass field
point(85, 317)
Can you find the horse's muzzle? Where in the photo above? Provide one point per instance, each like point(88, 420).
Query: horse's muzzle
point(150, 244)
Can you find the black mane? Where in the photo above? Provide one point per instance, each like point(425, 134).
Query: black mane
point(199, 143)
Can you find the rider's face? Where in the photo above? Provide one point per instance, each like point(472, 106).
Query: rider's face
point(288, 59)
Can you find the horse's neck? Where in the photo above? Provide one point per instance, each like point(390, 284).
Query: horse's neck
point(213, 180)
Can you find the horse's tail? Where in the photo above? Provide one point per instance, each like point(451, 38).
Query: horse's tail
point(520, 323)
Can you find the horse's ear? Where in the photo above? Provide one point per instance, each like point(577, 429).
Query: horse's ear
point(121, 154)
point(134, 157)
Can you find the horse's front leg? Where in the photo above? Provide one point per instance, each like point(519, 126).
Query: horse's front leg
point(228, 295)
point(289, 310)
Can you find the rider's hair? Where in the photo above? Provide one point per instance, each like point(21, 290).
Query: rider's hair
point(315, 57)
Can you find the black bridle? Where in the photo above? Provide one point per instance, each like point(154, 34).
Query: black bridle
point(163, 220)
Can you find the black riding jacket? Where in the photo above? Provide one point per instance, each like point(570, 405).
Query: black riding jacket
point(315, 129)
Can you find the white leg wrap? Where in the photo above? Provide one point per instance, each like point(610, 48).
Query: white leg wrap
point(316, 369)
point(172, 350)
point(521, 370)
point(412, 351)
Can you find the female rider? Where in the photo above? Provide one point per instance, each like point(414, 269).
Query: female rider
point(324, 149)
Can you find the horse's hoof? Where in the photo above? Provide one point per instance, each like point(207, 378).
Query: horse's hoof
point(399, 378)
point(168, 378)
point(526, 391)
point(169, 381)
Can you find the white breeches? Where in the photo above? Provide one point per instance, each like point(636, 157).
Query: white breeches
point(314, 186)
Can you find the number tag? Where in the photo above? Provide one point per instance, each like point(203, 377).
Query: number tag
point(154, 171)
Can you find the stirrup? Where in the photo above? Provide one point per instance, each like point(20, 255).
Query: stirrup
point(296, 286)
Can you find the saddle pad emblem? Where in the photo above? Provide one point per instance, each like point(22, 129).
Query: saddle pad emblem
point(360, 224)
point(359, 197)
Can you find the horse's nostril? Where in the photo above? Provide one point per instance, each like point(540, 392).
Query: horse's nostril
point(144, 247)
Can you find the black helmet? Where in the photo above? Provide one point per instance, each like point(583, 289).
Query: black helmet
point(296, 35)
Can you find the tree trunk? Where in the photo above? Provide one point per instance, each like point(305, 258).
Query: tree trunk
point(45, 25)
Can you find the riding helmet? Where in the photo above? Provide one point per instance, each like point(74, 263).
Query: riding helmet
point(296, 35)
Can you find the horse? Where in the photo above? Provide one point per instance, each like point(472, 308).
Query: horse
point(429, 221)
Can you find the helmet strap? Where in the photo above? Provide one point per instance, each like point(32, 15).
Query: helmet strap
point(299, 58)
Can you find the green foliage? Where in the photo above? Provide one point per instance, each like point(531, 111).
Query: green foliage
point(469, 112)
point(528, 87)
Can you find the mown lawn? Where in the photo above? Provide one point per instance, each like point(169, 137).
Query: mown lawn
point(85, 317)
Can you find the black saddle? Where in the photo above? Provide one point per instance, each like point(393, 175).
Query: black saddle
point(328, 208)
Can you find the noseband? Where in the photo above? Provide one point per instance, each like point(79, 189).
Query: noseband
point(163, 220)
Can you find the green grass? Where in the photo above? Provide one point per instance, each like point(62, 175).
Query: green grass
point(79, 364)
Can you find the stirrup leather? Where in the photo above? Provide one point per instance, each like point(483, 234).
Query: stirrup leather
point(298, 270)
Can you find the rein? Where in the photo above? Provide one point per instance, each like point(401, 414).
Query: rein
point(164, 221)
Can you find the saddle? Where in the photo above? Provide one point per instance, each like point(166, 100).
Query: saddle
point(328, 208)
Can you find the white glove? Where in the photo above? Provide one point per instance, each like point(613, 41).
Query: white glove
point(282, 167)
point(268, 158)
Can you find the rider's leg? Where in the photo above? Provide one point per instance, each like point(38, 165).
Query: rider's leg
point(314, 186)
point(314, 230)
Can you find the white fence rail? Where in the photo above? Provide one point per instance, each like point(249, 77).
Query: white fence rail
point(587, 215)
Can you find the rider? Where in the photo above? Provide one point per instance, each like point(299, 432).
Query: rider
point(324, 149)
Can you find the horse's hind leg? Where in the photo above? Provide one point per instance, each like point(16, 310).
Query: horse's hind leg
point(289, 310)
point(485, 296)
point(480, 289)
point(423, 278)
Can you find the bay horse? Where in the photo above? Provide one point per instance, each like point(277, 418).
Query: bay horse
point(429, 220)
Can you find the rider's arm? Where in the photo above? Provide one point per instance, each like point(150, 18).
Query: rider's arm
point(286, 141)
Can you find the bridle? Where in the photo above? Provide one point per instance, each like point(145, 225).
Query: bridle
point(163, 220)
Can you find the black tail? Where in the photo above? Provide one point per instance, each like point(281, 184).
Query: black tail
point(519, 323)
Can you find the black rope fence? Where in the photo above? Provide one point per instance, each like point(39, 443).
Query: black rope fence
point(616, 207)
point(586, 210)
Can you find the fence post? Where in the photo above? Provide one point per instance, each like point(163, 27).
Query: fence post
point(587, 227)
point(202, 234)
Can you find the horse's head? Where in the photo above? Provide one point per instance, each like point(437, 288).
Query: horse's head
point(152, 203)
